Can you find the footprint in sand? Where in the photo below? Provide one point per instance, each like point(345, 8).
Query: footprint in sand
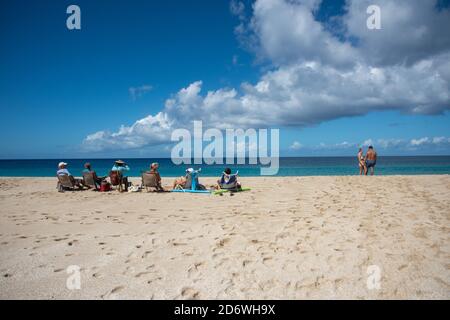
point(112, 294)
point(71, 243)
point(140, 274)
point(223, 242)
point(266, 260)
point(194, 269)
point(190, 293)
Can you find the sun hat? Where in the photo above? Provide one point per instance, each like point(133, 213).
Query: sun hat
point(154, 164)
point(62, 164)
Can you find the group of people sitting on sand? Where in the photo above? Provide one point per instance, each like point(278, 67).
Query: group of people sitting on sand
point(367, 161)
point(151, 178)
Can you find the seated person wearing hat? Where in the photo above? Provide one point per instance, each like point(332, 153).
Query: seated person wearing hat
point(120, 166)
point(154, 170)
point(192, 176)
point(87, 168)
point(181, 181)
point(62, 170)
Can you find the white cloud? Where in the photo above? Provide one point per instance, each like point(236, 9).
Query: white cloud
point(440, 140)
point(295, 145)
point(386, 144)
point(426, 143)
point(237, 8)
point(137, 92)
point(411, 30)
point(287, 33)
point(390, 143)
point(367, 143)
point(315, 77)
point(419, 142)
point(150, 130)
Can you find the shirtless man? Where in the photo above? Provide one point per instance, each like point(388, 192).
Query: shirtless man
point(361, 162)
point(371, 160)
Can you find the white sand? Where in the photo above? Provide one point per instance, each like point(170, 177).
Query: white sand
point(289, 238)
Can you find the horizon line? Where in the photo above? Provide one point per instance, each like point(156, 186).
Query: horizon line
point(306, 156)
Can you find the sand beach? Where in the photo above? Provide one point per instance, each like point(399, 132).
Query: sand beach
point(287, 238)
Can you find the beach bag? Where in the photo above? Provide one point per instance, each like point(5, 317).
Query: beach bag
point(105, 186)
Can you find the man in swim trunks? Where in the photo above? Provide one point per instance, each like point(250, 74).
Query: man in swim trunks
point(371, 160)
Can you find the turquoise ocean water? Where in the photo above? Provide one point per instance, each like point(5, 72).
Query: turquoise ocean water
point(301, 166)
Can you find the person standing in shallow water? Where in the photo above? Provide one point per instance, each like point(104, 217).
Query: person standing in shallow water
point(361, 162)
point(371, 161)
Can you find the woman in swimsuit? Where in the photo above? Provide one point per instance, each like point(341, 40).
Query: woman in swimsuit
point(361, 161)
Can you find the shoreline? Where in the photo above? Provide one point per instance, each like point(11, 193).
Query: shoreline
point(255, 177)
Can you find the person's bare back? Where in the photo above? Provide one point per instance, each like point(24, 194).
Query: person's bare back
point(371, 160)
point(371, 155)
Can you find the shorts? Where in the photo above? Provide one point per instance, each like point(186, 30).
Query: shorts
point(371, 163)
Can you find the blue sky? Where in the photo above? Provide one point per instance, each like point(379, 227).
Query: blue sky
point(58, 87)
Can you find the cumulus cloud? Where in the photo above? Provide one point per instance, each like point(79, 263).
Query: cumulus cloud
point(411, 30)
point(151, 130)
point(315, 76)
point(288, 33)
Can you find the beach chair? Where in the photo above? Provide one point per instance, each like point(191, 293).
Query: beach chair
point(149, 181)
point(187, 185)
point(116, 179)
point(65, 182)
point(231, 184)
point(192, 182)
point(189, 182)
point(89, 180)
